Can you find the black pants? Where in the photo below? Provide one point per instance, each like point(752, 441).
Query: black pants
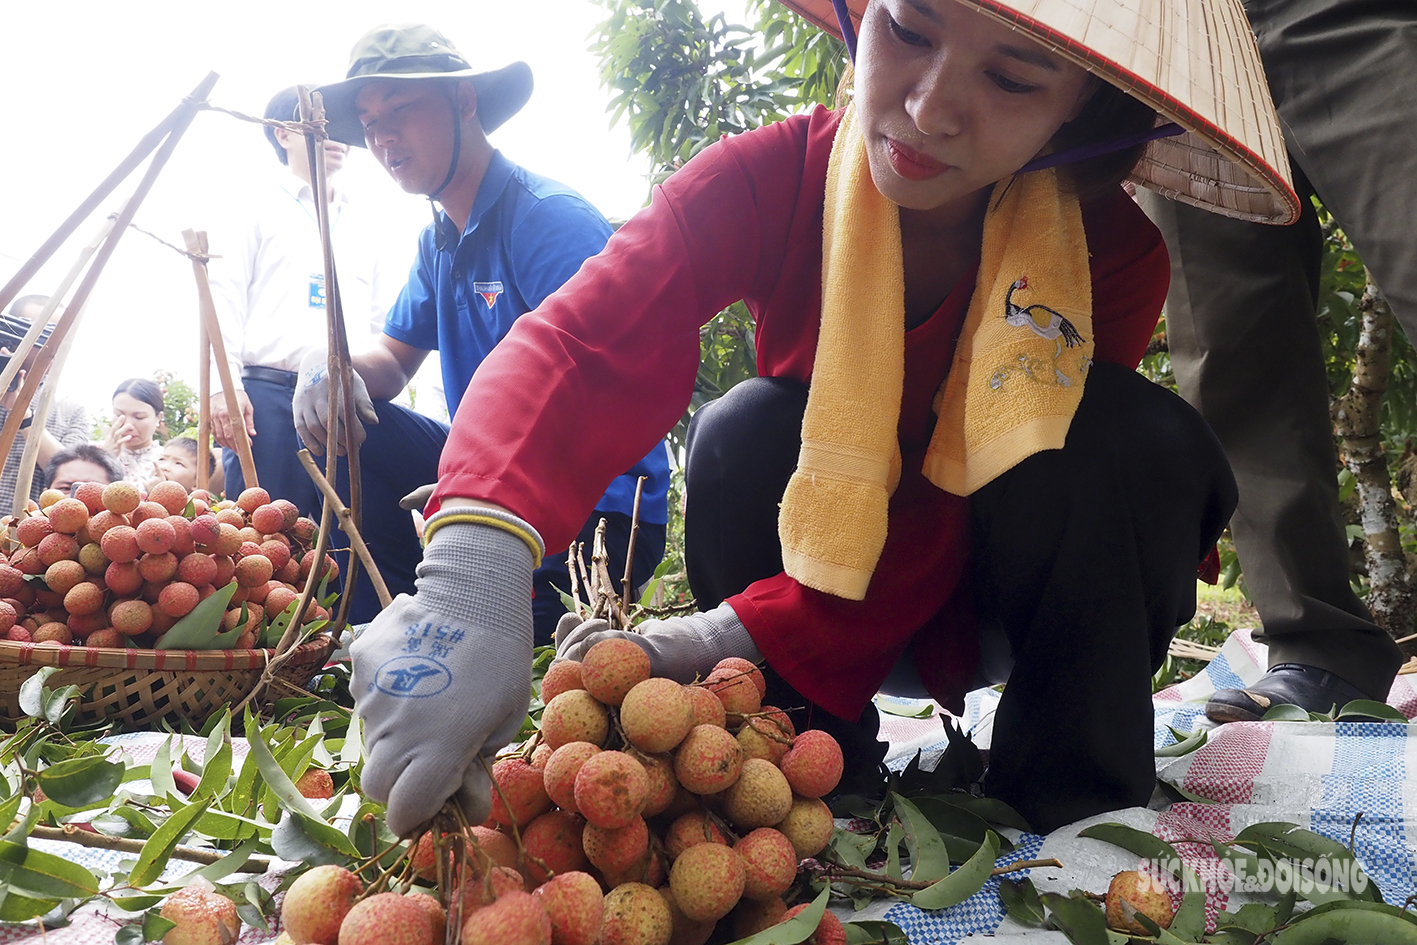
point(1084, 557)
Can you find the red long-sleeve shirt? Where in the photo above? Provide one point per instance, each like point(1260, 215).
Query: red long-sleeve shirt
point(586, 384)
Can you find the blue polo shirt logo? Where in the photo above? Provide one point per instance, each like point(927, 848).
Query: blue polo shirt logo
point(488, 290)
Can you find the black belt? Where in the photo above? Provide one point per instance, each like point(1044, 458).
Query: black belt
point(254, 372)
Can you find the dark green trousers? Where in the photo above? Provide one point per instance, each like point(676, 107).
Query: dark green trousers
point(1240, 314)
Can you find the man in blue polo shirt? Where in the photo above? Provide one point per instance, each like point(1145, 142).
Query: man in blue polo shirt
point(503, 240)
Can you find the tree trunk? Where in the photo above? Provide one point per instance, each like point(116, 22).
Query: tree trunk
point(1357, 416)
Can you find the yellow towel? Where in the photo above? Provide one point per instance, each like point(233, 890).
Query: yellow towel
point(832, 523)
point(1027, 343)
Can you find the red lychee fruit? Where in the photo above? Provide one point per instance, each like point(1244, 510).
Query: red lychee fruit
point(553, 844)
point(18, 634)
point(183, 545)
point(708, 710)
point(278, 599)
point(612, 851)
point(92, 558)
point(686, 930)
point(170, 495)
point(708, 881)
point(1132, 892)
point(61, 576)
point(499, 848)
point(100, 522)
point(120, 544)
point(276, 552)
point(386, 919)
point(123, 578)
point(635, 914)
point(203, 916)
point(317, 902)
point(31, 531)
point(91, 494)
point(11, 581)
point(437, 916)
point(84, 625)
point(68, 516)
point(156, 536)
point(197, 569)
point(58, 547)
point(559, 774)
point(232, 517)
point(659, 772)
point(252, 499)
point(814, 763)
point(708, 760)
point(515, 919)
point(767, 736)
point(561, 676)
point(689, 829)
point(574, 716)
point(769, 861)
point(267, 519)
point(205, 529)
point(8, 616)
point(736, 691)
point(225, 570)
point(121, 497)
point(54, 632)
point(575, 906)
point(610, 789)
point(611, 668)
point(105, 637)
point(130, 617)
point(147, 510)
point(253, 570)
point(158, 568)
point(656, 714)
point(83, 599)
point(520, 795)
point(316, 784)
point(752, 917)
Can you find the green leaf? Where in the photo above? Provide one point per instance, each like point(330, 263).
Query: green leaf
point(893, 840)
point(892, 707)
point(1021, 902)
point(158, 850)
point(1294, 842)
point(929, 859)
point(36, 873)
point(991, 810)
point(224, 867)
point(8, 810)
point(15, 906)
point(963, 882)
point(160, 772)
point(1348, 925)
point(1132, 840)
point(82, 781)
point(1370, 709)
point(216, 771)
point(1183, 747)
point(1285, 713)
point(155, 926)
point(1257, 917)
point(32, 692)
point(1080, 920)
point(276, 779)
point(1189, 920)
point(311, 840)
point(200, 629)
point(875, 933)
point(797, 929)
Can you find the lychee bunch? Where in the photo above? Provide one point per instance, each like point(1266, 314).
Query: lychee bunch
point(110, 567)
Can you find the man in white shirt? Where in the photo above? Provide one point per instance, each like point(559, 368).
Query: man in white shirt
point(267, 279)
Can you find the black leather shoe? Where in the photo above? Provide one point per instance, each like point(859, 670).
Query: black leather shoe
point(1310, 688)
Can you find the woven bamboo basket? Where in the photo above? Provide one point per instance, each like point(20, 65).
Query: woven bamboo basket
point(142, 686)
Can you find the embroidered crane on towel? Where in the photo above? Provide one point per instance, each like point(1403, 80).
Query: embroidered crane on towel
point(1044, 322)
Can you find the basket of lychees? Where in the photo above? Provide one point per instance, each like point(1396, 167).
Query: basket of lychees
point(160, 606)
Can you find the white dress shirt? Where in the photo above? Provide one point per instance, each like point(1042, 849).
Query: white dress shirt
point(267, 278)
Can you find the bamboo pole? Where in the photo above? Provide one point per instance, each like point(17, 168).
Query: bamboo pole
point(356, 540)
point(185, 113)
point(197, 246)
point(182, 114)
point(36, 431)
point(204, 410)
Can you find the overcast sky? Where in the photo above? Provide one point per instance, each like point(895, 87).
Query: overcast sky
point(83, 80)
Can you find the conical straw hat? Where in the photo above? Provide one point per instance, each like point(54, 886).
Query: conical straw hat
point(1194, 61)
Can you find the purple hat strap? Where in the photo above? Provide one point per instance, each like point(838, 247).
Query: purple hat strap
point(1085, 151)
point(848, 32)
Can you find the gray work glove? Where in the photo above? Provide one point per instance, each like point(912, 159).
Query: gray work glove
point(418, 498)
point(679, 648)
point(442, 679)
point(311, 405)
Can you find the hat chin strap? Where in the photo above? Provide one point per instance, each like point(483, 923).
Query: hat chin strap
point(445, 232)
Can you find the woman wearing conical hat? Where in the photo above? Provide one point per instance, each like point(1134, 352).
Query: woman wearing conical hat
point(934, 484)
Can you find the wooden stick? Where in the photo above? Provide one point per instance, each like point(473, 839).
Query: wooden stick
point(30, 455)
point(204, 409)
point(71, 833)
point(125, 167)
point(197, 246)
point(356, 541)
point(185, 113)
point(626, 601)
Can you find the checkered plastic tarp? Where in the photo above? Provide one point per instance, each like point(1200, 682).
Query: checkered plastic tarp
point(1317, 775)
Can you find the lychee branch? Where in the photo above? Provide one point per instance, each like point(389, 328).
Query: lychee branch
point(72, 833)
point(346, 524)
point(850, 874)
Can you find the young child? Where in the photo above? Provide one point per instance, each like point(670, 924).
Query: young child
point(178, 463)
point(948, 472)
